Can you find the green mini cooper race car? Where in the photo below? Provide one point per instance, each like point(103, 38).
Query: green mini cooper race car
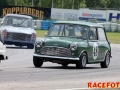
point(73, 42)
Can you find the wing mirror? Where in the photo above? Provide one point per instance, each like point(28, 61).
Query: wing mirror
point(1, 23)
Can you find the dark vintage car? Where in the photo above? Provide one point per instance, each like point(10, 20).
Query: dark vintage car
point(73, 42)
point(18, 30)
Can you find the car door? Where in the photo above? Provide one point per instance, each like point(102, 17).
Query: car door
point(102, 43)
point(93, 45)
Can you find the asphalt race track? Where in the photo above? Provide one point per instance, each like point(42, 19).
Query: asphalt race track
point(18, 72)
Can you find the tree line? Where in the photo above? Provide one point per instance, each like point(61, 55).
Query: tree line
point(66, 4)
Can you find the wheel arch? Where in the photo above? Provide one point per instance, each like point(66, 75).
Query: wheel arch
point(85, 53)
point(106, 53)
point(1, 57)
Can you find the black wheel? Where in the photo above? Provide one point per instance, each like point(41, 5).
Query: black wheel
point(64, 64)
point(37, 62)
point(82, 62)
point(21, 46)
point(30, 46)
point(106, 62)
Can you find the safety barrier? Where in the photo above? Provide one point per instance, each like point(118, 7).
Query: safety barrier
point(110, 27)
point(43, 24)
point(46, 24)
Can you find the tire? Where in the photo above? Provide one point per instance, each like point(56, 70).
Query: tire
point(21, 46)
point(82, 62)
point(106, 62)
point(64, 64)
point(37, 62)
point(30, 46)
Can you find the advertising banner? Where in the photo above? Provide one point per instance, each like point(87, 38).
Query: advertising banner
point(113, 15)
point(35, 12)
point(87, 14)
point(64, 14)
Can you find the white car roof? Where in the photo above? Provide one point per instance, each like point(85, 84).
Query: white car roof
point(19, 15)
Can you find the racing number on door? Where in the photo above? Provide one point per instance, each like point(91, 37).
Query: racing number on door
point(95, 51)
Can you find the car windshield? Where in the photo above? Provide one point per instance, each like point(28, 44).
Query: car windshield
point(68, 30)
point(18, 22)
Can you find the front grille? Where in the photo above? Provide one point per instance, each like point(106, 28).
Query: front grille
point(19, 36)
point(55, 51)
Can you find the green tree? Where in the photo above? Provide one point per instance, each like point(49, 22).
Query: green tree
point(68, 4)
point(3, 2)
point(92, 3)
point(103, 4)
point(80, 4)
point(58, 4)
point(24, 3)
point(11, 2)
point(113, 4)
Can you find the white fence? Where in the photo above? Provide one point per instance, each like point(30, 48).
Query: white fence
point(111, 27)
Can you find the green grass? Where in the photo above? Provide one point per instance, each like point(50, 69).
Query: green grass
point(113, 37)
point(41, 33)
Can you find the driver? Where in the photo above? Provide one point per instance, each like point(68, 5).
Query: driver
point(83, 33)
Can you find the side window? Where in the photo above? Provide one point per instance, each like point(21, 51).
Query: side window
point(81, 31)
point(92, 34)
point(66, 30)
point(101, 34)
point(61, 31)
point(77, 30)
point(54, 30)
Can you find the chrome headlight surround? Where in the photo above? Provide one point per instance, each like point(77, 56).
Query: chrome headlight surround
point(73, 46)
point(39, 43)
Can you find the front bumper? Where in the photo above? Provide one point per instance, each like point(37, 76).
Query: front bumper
point(3, 55)
point(55, 57)
point(18, 42)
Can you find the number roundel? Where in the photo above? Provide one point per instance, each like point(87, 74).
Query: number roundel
point(95, 51)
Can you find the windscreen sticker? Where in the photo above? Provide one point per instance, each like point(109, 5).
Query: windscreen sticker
point(95, 51)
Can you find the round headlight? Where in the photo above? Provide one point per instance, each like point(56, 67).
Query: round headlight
point(73, 46)
point(39, 43)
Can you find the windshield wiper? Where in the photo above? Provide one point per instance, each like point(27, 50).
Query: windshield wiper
point(22, 21)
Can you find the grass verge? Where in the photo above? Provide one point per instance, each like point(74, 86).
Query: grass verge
point(113, 37)
point(41, 33)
